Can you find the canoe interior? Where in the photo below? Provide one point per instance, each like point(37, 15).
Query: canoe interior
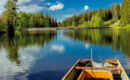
point(74, 73)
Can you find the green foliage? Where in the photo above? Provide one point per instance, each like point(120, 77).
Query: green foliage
point(116, 11)
point(125, 13)
point(2, 27)
point(85, 19)
point(24, 19)
point(32, 21)
point(107, 23)
point(11, 11)
point(9, 16)
point(96, 21)
point(84, 24)
point(28, 20)
point(46, 23)
point(35, 20)
point(115, 25)
point(99, 17)
point(73, 24)
point(128, 25)
point(15, 20)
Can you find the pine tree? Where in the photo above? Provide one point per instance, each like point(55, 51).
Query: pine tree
point(116, 11)
point(11, 10)
point(32, 21)
point(125, 13)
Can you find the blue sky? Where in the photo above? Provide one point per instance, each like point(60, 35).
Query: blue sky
point(61, 9)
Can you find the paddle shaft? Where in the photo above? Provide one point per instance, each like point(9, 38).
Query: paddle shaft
point(99, 68)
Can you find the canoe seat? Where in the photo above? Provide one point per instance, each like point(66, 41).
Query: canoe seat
point(111, 61)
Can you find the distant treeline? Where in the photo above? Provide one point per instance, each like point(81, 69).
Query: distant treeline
point(29, 20)
point(93, 18)
point(101, 17)
point(85, 18)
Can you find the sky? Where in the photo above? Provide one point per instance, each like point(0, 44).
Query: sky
point(60, 9)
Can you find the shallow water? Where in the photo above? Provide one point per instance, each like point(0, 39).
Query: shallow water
point(49, 55)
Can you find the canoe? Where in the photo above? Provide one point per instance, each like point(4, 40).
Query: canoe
point(85, 69)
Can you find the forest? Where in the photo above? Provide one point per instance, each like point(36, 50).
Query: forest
point(18, 19)
point(117, 16)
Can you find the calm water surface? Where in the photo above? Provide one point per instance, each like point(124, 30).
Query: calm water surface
point(49, 55)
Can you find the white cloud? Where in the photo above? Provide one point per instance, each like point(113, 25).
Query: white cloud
point(58, 48)
point(30, 8)
point(33, 8)
point(87, 46)
point(58, 6)
point(20, 2)
point(8, 69)
point(27, 57)
point(86, 7)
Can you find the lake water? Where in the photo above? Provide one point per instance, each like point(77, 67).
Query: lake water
point(49, 55)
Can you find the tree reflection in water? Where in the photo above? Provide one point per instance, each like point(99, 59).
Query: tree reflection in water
point(117, 39)
point(22, 40)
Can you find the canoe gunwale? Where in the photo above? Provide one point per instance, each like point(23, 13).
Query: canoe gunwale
point(123, 70)
point(70, 70)
point(73, 67)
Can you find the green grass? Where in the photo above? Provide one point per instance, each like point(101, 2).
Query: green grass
point(108, 23)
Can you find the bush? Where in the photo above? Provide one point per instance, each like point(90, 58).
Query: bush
point(3, 27)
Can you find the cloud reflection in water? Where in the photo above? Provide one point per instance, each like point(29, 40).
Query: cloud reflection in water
point(27, 57)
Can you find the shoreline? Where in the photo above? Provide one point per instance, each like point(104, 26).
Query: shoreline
point(62, 28)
